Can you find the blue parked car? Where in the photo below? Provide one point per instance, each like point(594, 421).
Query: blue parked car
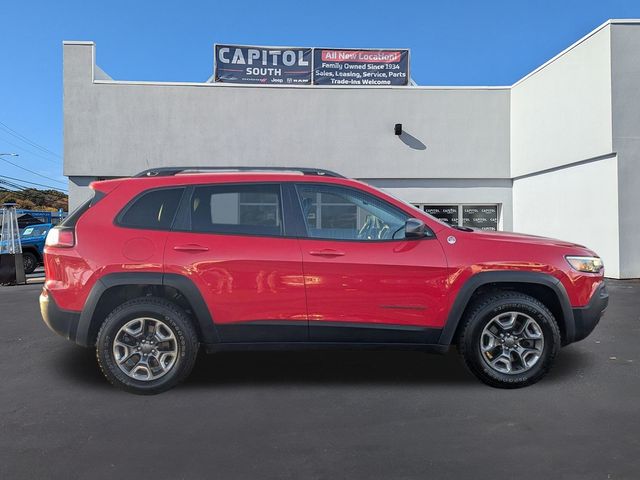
point(32, 239)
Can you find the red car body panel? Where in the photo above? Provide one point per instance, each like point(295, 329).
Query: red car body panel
point(475, 252)
point(253, 278)
point(395, 282)
point(242, 278)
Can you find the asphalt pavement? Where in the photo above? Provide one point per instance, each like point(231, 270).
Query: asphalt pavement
point(37, 276)
point(306, 415)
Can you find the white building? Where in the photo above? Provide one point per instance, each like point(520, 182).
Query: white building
point(556, 154)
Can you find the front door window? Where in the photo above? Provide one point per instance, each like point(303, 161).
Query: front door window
point(346, 214)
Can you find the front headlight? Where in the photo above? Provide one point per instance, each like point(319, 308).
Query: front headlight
point(585, 264)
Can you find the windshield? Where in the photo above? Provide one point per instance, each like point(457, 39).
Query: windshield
point(34, 231)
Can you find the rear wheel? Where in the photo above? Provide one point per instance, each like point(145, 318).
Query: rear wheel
point(30, 262)
point(146, 346)
point(509, 339)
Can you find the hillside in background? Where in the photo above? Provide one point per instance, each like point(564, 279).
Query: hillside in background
point(34, 199)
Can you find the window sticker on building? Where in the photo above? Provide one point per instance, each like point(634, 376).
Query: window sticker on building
point(483, 217)
point(446, 213)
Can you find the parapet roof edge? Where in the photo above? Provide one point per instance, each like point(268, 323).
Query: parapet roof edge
point(78, 42)
point(620, 21)
point(315, 87)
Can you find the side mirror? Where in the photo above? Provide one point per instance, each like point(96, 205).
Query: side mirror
point(414, 228)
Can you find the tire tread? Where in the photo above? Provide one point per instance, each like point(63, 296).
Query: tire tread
point(486, 301)
point(185, 324)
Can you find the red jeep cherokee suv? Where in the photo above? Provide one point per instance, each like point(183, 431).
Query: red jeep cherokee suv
point(153, 267)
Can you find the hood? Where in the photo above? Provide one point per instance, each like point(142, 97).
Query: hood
point(523, 238)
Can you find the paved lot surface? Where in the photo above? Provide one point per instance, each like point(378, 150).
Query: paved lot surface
point(37, 273)
point(320, 414)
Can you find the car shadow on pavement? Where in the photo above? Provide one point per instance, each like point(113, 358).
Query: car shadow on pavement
point(319, 367)
point(329, 367)
point(80, 365)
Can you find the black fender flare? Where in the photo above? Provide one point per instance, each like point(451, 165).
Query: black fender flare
point(179, 282)
point(507, 276)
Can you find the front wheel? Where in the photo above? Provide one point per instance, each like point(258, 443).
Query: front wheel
point(509, 339)
point(146, 346)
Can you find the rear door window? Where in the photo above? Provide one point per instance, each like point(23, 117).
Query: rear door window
point(248, 209)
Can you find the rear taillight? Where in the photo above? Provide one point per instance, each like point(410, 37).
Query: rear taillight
point(64, 235)
point(61, 237)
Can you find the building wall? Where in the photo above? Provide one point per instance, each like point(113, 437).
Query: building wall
point(79, 190)
point(554, 204)
point(122, 128)
point(625, 43)
point(561, 112)
point(564, 168)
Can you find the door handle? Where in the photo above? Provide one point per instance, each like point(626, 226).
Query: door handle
point(191, 247)
point(327, 252)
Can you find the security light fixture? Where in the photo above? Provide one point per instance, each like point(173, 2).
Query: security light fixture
point(398, 129)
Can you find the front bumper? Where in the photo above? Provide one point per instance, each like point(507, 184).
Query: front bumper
point(62, 322)
point(586, 318)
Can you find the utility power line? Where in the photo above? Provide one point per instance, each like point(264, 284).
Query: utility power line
point(30, 152)
point(7, 186)
point(19, 190)
point(12, 185)
point(51, 187)
point(11, 131)
point(30, 171)
point(33, 183)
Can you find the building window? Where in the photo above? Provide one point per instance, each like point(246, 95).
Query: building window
point(447, 213)
point(482, 217)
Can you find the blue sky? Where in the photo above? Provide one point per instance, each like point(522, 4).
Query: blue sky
point(452, 43)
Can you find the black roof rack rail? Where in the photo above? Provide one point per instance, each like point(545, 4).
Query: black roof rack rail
point(170, 171)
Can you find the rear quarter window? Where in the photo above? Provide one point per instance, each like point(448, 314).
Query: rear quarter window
point(153, 210)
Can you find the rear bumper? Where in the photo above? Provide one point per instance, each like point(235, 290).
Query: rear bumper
point(62, 322)
point(586, 318)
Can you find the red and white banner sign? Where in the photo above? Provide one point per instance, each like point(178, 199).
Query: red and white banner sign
point(361, 56)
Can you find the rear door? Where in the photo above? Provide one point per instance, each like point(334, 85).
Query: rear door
point(364, 281)
point(231, 241)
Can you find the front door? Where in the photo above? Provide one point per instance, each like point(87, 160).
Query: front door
point(231, 242)
point(364, 281)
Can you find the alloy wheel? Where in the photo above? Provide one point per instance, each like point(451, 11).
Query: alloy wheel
point(512, 343)
point(145, 349)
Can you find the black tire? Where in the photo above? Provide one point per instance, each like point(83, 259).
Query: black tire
point(30, 262)
point(478, 317)
point(172, 317)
